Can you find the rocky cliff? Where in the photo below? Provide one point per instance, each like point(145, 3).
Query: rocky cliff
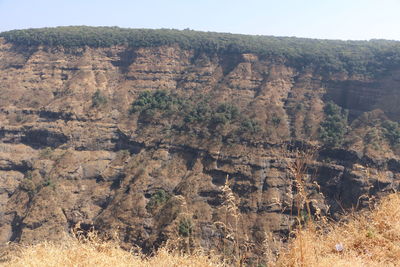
point(74, 151)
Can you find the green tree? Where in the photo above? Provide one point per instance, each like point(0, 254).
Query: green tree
point(225, 113)
point(333, 129)
point(157, 100)
point(391, 130)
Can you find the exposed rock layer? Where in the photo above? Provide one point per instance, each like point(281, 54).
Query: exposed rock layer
point(63, 161)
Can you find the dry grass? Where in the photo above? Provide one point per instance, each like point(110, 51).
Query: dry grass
point(368, 239)
point(371, 238)
point(80, 254)
point(87, 250)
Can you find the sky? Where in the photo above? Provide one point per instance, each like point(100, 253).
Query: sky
point(325, 19)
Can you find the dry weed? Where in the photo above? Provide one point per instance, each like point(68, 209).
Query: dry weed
point(88, 249)
point(77, 254)
point(367, 239)
point(237, 246)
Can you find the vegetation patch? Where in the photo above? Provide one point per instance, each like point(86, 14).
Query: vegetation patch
point(391, 130)
point(354, 57)
point(225, 113)
point(185, 227)
point(199, 113)
point(188, 115)
point(250, 125)
point(98, 99)
point(335, 126)
point(159, 198)
point(157, 100)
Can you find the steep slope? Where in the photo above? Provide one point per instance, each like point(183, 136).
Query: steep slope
point(74, 149)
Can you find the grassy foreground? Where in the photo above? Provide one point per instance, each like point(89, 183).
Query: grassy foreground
point(371, 238)
point(99, 255)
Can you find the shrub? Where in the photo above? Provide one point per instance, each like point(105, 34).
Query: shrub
point(98, 99)
point(276, 120)
point(157, 199)
point(48, 182)
point(200, 113)
point(157, 100)
point(372, 137)
point(391, 131)
point(185, 227)
point(333, 129)
point(225, 113)
point(249, 125)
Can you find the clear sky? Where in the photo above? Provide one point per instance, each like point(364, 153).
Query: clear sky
point(328, 19)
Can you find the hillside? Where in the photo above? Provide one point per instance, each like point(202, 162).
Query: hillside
point(135, 132)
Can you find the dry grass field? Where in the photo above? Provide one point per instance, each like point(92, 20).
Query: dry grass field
point(369, 238)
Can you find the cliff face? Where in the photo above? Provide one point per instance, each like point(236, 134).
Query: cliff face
point(66, 160)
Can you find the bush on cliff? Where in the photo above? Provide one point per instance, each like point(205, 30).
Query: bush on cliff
point(98, 99)
point(225, 113)
point(334, 127)
point(157, 100)
point(186, 113)
point(392, 132)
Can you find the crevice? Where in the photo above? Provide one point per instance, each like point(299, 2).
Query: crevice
point(43, 138)
point(16, 228)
